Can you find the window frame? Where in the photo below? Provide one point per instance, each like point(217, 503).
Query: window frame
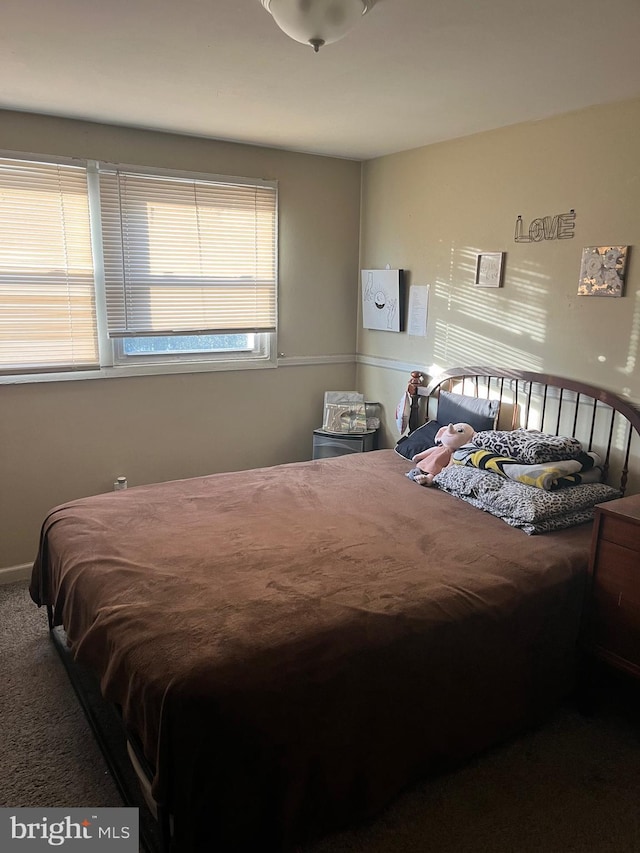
point(113, 363)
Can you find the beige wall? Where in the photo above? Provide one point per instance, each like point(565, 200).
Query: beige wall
point(432, 209)
point(64, 440)
point(429, 211)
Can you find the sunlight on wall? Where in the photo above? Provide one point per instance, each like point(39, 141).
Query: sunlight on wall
point(455, 344)
point(480, 325)
point(522, 312)
point(634, 342)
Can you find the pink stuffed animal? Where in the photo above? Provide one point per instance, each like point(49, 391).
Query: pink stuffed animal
point(433, 460)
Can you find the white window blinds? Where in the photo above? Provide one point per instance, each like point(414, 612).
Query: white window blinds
point(47, 302)
point(184, 255)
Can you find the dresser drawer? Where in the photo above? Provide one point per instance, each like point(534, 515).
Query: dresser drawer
point(616, 601)
point(327, 445)
point(614, 529)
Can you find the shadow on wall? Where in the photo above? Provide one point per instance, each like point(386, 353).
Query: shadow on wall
point(520, 314)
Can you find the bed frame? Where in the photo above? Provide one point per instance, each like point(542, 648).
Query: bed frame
point(602, 420)
point(112, 737)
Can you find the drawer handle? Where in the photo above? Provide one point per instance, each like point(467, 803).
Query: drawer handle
point(619, 599)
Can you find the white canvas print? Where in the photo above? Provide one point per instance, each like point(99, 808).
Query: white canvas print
point(382, 300)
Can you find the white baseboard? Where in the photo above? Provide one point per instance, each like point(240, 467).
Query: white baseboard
point(15, 573)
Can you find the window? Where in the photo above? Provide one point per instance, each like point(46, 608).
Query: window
point(176, 349)
point(169, 269)
point(47, 297)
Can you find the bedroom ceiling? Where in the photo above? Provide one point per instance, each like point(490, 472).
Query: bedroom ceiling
point(412, 73)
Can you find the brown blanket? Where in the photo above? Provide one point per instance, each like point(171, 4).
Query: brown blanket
point(294, 645)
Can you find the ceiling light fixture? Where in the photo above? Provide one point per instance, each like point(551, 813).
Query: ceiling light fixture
point(317, 22)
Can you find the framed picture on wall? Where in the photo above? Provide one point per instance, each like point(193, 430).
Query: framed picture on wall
point(489, 269)
point(602, 271)
point(383, 300)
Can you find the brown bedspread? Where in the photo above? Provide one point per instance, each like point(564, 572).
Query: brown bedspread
point(294, 645)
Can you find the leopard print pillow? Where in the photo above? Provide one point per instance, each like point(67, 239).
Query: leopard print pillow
point(529, 446)
point(518, 502)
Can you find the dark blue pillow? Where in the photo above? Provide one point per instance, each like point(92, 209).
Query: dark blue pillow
point(460, 409)
point(420, 439)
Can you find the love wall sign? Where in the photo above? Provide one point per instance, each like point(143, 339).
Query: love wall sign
point(558, 227)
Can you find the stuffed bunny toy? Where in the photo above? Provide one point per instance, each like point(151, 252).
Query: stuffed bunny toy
point(432, 461)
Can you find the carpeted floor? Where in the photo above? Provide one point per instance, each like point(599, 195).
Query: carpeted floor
point(49, 756)
point(570, 787)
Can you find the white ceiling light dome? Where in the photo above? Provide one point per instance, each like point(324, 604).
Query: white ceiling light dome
point(317, 22)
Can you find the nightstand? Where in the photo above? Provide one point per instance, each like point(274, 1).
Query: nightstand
point(614, 623)
point(328, 444)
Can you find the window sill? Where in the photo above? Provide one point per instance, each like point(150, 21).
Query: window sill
point(123, 371)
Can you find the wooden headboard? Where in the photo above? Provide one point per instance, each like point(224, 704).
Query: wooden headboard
point(601, 420)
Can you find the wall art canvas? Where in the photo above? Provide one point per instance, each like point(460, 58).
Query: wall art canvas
point(383, 300)
point(489, 269)
point(602, 271)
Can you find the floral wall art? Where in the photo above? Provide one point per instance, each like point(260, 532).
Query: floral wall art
point(602, 271)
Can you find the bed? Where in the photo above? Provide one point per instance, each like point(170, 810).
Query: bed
point(291, 647)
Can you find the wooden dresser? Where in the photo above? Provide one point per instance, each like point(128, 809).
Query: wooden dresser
point(614, 624)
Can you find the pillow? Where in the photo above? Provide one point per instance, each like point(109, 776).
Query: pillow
point(478, 413)
point(587, 468)
point(420, 439)
point(529, 446)
point(525, 507)
point(517, 501)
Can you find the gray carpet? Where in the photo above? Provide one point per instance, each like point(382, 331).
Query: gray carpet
point(573, 785)
point(49, 756)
